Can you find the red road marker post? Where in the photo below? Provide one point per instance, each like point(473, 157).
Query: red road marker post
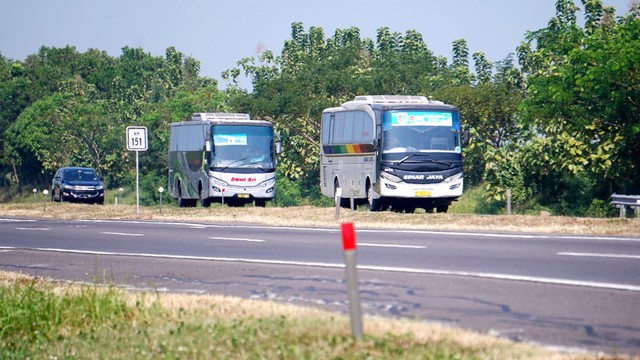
point(353, 294)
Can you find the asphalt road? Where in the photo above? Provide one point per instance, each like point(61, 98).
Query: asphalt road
point(568, 291)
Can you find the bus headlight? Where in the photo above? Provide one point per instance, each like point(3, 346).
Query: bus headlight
point(219, 182)
point(453, 178)
point(266, 183)
point(387, 176)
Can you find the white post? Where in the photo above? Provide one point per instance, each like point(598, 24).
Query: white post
point(355, 312)
point(45, 192)
point(338, 200)
point(161, 190)
point(137, 185)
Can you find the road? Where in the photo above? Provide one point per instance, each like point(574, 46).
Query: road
point(568, 291)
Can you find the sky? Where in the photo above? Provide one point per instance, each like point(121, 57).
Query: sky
point(220, 33)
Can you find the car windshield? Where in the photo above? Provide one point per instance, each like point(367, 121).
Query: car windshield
point(80, 175)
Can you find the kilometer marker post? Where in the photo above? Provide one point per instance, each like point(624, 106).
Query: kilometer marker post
point(353, 294)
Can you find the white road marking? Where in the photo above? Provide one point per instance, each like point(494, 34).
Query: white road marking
point(35, 229)
point(121, 234)
point(532, 279)
point(392, 231)
point(392, 246)
point(235, 239)
point(617, 256)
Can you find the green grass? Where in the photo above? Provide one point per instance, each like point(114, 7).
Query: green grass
point(39, 320)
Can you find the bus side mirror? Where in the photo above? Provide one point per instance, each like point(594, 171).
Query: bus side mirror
point(278, 147)
point(208, 146)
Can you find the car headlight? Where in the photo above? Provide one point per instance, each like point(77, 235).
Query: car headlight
point(390, 177)
point(99, 187)
point(68, 187)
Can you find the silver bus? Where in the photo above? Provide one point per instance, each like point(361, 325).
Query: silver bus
point(392, 152)
point(222, 157)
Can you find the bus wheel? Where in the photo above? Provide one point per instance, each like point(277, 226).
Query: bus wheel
point(261, 202)
point(182, 202)
point(442, 208)
point(344, 203)
point(374, 204)
point(205, 202)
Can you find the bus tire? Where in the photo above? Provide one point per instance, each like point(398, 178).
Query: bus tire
point(344, 203)
point(442, 208)
point(205, 202)
point(182, 202)
point(261, 202)
point(374, 204)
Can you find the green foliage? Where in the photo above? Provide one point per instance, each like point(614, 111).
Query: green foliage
point(32, 317)
point(582, 103)
point(503, 172)
point(149, 185)
point(73, 108)
point(288, 192)
point(569, 115)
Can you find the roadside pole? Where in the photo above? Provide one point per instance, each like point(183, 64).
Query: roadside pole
point(353, 294)
point(137, 184)
point(45, 192)
point(338, 200)
point(137, 141)
point(160, 190)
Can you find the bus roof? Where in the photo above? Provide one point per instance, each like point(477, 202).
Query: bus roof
point(220, 116)
point(395, 99)
point(390, 102)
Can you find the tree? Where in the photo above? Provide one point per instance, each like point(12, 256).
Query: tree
point(583, 97)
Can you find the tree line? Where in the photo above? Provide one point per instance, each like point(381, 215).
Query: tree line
point(557, 121)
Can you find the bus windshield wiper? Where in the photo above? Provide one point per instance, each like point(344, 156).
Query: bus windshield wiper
point(233, 162)
point(446, 162)
point(405, 158)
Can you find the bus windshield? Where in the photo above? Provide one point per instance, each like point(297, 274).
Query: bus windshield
point(242, 146)
point(420, 131)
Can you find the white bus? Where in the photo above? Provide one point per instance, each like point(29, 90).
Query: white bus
point(397, 152)
point(222, 157)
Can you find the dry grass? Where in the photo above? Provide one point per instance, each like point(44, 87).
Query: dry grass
point(180, 309)
point(326, 217)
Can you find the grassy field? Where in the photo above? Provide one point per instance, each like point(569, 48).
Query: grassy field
point(50, 320)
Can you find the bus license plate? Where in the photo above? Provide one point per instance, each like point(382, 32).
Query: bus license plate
point(423, 193)
point(243, 196)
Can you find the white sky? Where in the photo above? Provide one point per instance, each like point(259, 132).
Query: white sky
point(219, 33)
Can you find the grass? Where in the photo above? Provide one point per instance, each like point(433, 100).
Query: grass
point(49, 320)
